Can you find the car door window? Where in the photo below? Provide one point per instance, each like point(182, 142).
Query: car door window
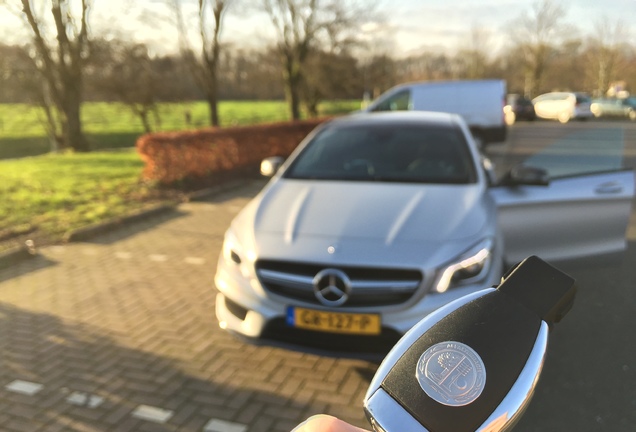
point(586, 152)
point(400, 101)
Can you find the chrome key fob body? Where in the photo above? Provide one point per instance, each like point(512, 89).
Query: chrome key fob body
point(473, 364)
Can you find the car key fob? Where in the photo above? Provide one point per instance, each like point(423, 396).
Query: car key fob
point(472, 365)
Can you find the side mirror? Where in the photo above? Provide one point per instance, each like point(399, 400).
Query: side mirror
point(526, 175)
point(270, 165)
point(489, 170)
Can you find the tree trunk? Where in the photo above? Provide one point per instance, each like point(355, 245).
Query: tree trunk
point(143, 114)
point(73, 135)
point(214, 110)
point(293, 80)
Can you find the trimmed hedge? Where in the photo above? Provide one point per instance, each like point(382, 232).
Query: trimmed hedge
point(194, 156)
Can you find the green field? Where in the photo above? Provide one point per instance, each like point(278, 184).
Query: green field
point(113, 125)
point(46, 195)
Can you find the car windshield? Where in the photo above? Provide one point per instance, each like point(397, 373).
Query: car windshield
point(386, 153)
point(581, 98)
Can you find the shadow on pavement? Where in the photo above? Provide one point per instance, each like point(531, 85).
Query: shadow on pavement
point(25, 266)
point(79, 362)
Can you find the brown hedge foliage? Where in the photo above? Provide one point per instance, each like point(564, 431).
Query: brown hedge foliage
point(171, 157)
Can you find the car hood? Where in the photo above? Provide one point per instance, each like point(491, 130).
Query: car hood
point(293, 219)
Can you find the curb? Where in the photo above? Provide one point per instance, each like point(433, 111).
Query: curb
point(20, 253)
point(15, 255)
point(90, 231)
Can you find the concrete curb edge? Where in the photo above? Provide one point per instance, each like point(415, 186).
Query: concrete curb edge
point(16, 254)
point(19, 253)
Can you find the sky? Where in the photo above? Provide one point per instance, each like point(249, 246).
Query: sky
point(411, 26)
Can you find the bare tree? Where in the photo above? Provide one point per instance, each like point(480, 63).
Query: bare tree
point(535, 34)
point(472, 60)
point(60, 64)
point(300, 26)
point(204, 66)
point(606, 47)
point(126, 73)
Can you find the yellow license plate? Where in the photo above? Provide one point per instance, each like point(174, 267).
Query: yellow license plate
point(334, 322)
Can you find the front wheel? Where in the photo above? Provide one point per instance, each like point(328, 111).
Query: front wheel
point(564, 117)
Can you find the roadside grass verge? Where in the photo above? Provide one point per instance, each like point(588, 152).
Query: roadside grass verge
point(46, 196)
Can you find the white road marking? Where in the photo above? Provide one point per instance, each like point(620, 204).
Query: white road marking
point(216, 425)
point(84, 399)
point(24, 387)
point(158, 258)
point(153, 414)
point(194, 260)
point(142, 412)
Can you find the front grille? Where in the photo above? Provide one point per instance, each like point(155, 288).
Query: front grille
point(370, 286)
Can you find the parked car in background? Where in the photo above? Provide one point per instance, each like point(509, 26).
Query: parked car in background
point(378, 219)
point(478, 102)
point(614, 107)
point(563, 106)
point(518, 108)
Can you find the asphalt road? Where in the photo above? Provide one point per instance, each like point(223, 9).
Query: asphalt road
point(118, 333)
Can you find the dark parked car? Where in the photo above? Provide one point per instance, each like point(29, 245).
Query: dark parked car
point(518, 108)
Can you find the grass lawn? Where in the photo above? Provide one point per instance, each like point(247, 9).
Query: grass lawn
point(46, 195)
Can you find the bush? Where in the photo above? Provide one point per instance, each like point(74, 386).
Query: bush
point(194, 157)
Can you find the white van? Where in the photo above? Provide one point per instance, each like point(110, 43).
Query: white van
point(479, 102)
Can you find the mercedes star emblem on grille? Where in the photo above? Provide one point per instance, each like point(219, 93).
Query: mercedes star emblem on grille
point(332, 287)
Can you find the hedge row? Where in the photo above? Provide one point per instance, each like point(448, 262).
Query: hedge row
point(191, 156)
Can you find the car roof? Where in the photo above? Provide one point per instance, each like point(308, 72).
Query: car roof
point(399, 117)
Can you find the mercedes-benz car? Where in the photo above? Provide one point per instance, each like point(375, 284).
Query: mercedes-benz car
point(378, 219)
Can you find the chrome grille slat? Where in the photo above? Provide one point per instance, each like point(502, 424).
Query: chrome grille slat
point(392, 285)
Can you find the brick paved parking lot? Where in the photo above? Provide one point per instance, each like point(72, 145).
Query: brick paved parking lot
point(119, 334)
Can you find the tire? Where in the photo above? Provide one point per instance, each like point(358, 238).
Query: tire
point(632, 115)
point(564, 117)
point(510, 118)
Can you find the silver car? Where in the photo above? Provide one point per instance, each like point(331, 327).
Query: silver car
point(614, 107)
point(378, 219)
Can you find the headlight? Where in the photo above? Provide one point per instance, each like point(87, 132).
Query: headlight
point(471, 266)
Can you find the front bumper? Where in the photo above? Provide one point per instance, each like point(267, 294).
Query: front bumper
point(243, 306)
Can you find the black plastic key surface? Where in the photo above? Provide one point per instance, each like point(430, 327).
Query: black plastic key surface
point(545, 290)
point(501, 327)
